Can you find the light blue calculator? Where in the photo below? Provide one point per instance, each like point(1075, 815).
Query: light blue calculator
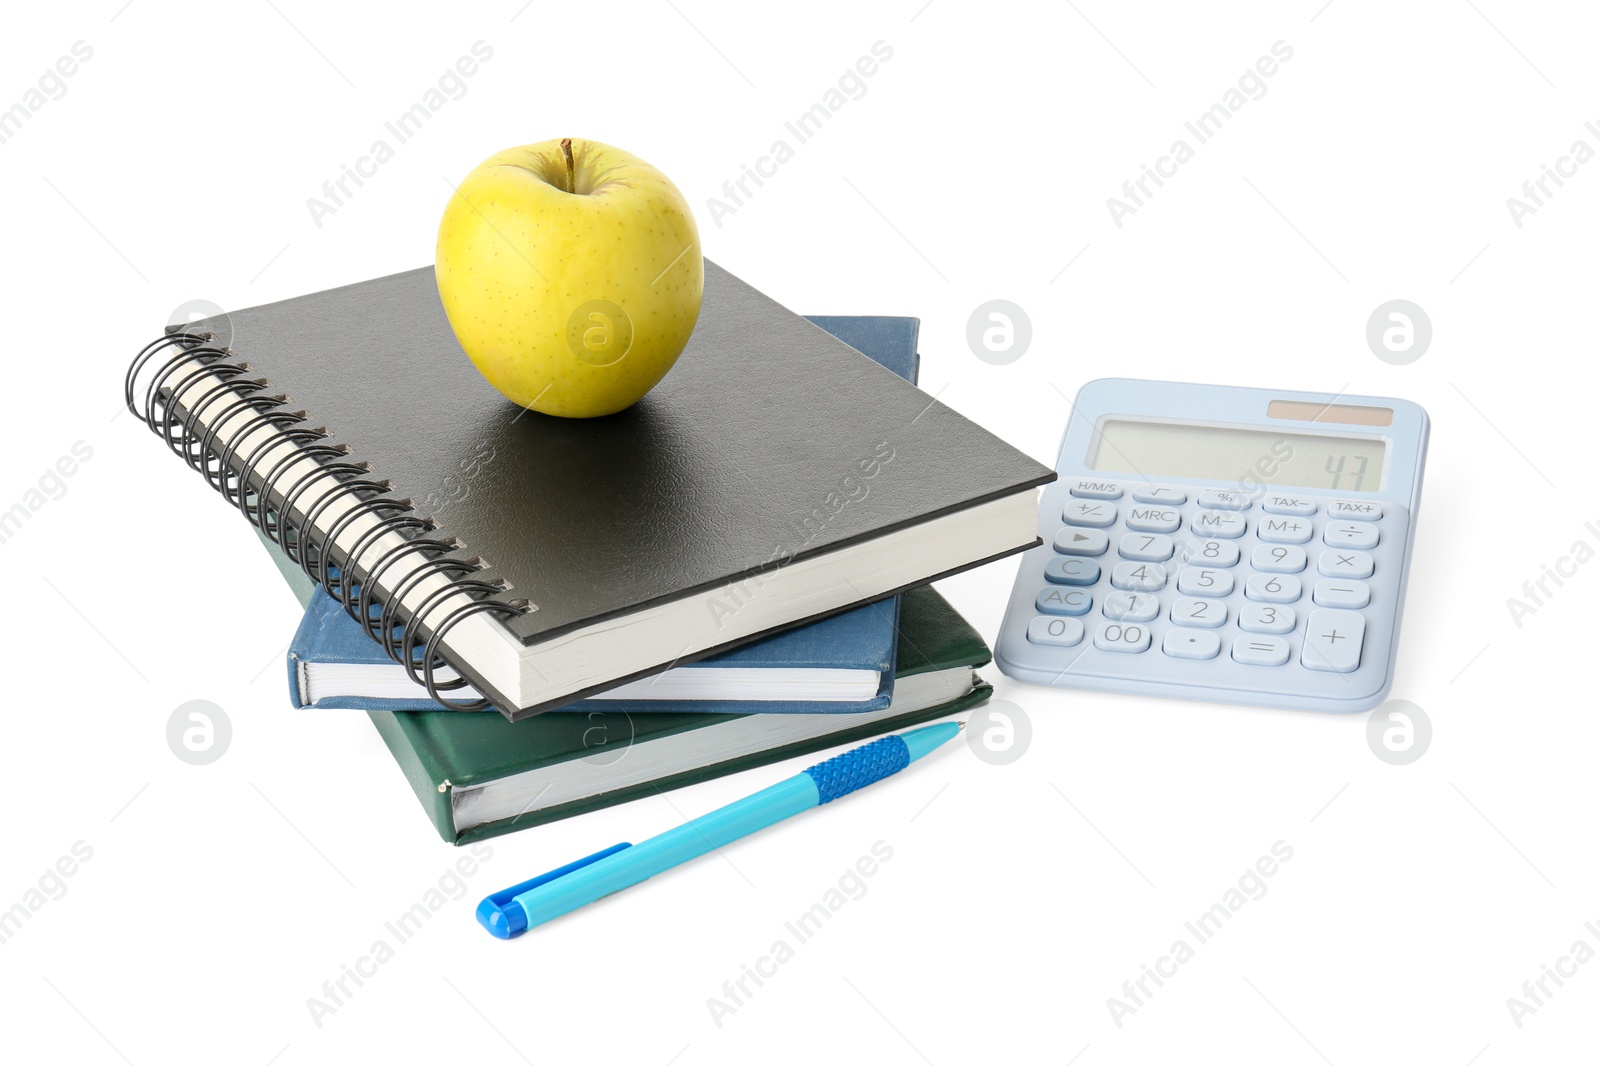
point(1228, 544)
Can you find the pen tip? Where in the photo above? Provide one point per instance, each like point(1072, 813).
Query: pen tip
point(961, 724)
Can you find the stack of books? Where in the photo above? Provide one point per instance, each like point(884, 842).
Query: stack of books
point(733, 571)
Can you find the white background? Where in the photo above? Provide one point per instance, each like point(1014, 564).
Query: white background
point(218, 899)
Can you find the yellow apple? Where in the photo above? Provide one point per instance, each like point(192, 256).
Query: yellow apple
point(571, 273)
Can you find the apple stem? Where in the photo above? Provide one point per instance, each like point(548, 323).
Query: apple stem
point(566, 153)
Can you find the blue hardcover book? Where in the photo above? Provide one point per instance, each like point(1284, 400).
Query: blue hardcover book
point(843, 664)
point(887, 341)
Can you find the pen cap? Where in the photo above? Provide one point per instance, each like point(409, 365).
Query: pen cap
point(503, 920)
point(503, 916)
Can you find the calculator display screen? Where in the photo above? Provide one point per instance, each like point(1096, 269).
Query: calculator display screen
point(1243, 458)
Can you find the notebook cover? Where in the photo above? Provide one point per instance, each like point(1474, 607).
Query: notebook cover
point(862, 639)
point(433, 747)
point(711, 477)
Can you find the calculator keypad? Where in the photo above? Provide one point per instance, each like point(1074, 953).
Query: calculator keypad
point(1214, 588)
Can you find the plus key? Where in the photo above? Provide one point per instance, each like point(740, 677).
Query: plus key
point(1333, 641)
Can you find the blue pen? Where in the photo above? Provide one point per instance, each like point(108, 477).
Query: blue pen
point(515, 910)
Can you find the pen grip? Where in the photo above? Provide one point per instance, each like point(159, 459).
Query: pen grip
point(859, 767)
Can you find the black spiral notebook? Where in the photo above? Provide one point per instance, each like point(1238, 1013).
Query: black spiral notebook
point(774, 477)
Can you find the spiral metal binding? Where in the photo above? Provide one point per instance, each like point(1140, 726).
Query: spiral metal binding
point(193, 434)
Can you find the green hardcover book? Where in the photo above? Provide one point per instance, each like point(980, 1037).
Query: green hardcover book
point(300, 582)
point(479, 775)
